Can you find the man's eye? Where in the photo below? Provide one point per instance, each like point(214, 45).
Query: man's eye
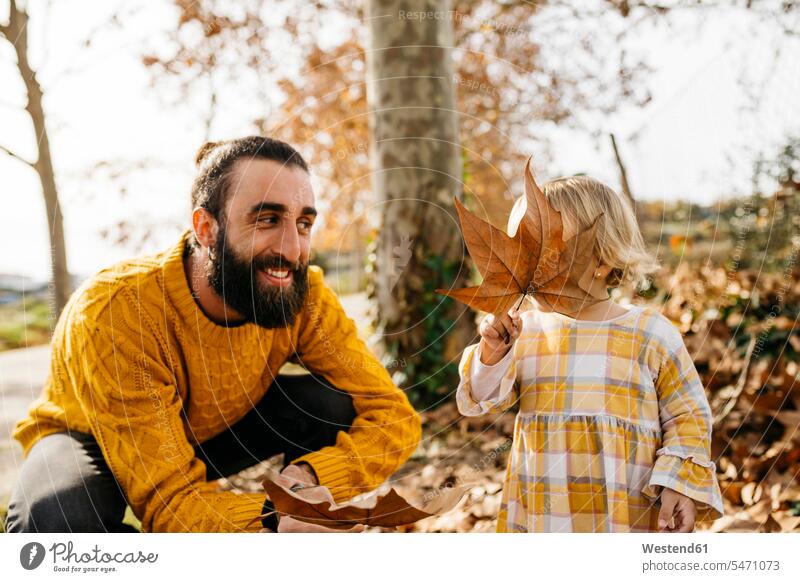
point(267, 220)
point(305, 225)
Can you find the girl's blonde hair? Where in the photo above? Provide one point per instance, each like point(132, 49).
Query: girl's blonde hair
point(619, 243)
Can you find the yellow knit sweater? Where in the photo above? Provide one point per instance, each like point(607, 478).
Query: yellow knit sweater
point(136, 363)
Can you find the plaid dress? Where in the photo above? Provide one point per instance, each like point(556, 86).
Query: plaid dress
point(609, 413)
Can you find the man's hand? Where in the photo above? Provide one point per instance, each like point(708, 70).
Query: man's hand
point(682, 508)
point(303, 479)
point(301, 473)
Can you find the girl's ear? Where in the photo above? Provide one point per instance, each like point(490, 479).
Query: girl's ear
point(601, 271)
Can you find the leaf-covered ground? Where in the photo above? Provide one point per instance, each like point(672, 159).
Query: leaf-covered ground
point(458, 451)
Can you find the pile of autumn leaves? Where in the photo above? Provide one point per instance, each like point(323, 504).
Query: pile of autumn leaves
point(743, 333)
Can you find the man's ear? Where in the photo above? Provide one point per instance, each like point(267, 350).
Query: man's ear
point(205, 227)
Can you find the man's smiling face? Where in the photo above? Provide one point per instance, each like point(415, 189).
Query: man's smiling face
point(259, 262)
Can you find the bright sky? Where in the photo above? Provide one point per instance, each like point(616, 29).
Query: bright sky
point(695, 140)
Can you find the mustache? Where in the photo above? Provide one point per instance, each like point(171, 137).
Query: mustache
point(278, 262)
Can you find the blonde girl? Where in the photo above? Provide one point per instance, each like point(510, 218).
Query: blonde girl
point(614, 429)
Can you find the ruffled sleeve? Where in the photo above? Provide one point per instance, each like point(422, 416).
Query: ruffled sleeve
point(692, 477)
point(683, 462)
point(483, 388)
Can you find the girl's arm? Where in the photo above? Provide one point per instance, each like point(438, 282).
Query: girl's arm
point(485, 379)
point(485, 388)
point(684, 462)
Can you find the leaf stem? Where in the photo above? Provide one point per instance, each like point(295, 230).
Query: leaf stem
point(508, 336)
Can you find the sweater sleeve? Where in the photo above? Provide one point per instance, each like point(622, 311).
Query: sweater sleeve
point(130, 399)
point(683, 462)
point(386, 429)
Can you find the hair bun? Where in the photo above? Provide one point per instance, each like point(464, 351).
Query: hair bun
point(204, 150)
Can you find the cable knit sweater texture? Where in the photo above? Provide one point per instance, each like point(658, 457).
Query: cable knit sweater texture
point(136, 363)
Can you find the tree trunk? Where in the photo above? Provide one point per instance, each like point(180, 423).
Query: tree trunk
point(60, 287)
point(417, 171)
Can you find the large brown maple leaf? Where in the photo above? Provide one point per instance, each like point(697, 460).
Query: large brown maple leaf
point(531, 259)
point(385, 508)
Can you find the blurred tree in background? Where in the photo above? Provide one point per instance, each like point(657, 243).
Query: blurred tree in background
point(15, 31)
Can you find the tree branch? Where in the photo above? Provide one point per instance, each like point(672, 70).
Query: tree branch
point(12, 13)
point(20, 158)
point(623, 174)
point(6, 29)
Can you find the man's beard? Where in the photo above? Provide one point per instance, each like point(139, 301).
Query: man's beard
point(238, 283)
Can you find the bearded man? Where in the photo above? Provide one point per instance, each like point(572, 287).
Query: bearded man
point(165, 377)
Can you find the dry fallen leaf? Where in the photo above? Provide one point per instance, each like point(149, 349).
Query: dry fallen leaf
point(531, 259)
point(751, 493)
point(783, 521)
point(385, 510)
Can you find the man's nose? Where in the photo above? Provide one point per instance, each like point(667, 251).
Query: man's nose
point(289, 245)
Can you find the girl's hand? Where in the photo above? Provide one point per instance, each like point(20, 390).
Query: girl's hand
point(498, 334)
point(682, 508)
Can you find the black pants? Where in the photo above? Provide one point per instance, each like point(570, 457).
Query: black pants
point(65, 484)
